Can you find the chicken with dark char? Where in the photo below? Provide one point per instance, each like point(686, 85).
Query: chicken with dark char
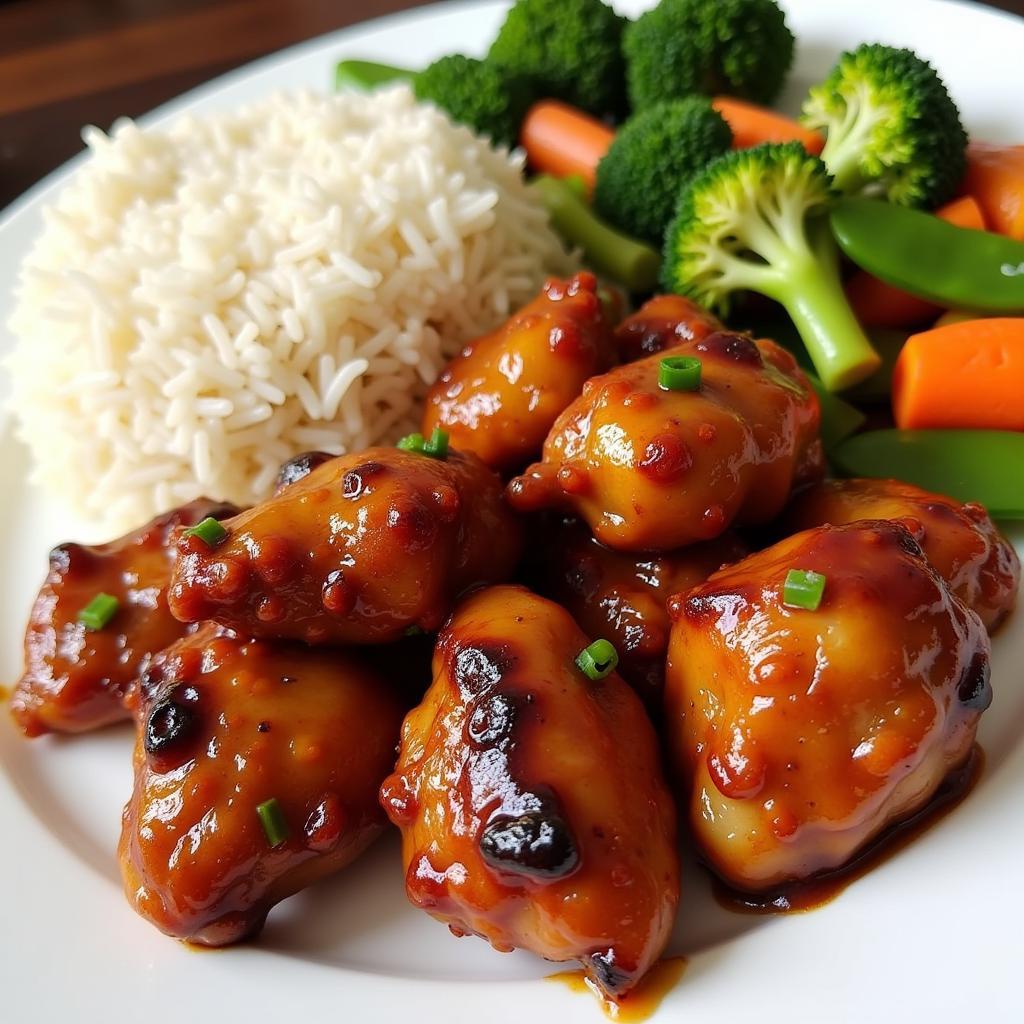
point(360, 549)
point(799, 732)
point(530, 797)
point(227, 727)
point(76, 677)
point(960, 540)
point(649, 467)
point(499, 397)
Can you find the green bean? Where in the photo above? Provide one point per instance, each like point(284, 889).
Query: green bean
point(631, 263)
point(366, 75)
point(958, 268)
point(986, 466)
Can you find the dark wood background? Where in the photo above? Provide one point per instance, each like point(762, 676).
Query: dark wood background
point(65, 63)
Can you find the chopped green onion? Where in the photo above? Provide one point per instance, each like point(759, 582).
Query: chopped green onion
point(275, 825)
point(99, 611)
point(209, 531)
point(803, 589)
point(437, 446)
point(414, 630)
point(412, 443)
point(679, 373)
point(597, 660)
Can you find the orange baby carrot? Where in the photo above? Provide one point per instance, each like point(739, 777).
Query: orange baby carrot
point(995, 175)
point(752, 125)
point(965, 375)
point(562, 141)
point(881, 305)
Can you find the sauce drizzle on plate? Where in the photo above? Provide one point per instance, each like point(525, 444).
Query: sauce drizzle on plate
point(641, 1003)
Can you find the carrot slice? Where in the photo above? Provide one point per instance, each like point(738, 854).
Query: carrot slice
point(968, 375)
point(995, 175)
point(965, 212)
point(881, 305)
point(752, 125)
point(562, 141)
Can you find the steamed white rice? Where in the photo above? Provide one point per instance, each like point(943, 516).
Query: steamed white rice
point(208, 300)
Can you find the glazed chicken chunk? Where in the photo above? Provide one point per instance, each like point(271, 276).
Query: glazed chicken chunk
point(800, 733)
point(652, 467)
point(256, 772)
point(624, 597)
point(960, 540)
point(360, 549)
point(76, 677)
point(530, 798)
point(663, 322)
point(499, 397)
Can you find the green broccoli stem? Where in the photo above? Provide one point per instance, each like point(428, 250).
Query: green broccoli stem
point(843, 165)
point(366, 75)
point(631, 263)
point(845, 144)
point(812, 294)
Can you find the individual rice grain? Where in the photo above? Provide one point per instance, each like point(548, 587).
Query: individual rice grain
point(209, 299)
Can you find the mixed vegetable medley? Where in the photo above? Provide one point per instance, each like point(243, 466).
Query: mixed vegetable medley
point(870, 236)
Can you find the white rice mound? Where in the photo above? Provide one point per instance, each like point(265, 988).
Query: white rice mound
point(208, 300)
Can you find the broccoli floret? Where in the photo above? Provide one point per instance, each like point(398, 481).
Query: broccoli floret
point(654, 153)
point(891, 127)
point(753, 220)
point(476, 93)
point(570, 49)
point(739, 47)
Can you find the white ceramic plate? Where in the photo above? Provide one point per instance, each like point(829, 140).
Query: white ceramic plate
point(934, 934)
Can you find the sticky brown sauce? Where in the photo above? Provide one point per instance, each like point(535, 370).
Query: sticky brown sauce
point(816, 892)
point(639, 1004)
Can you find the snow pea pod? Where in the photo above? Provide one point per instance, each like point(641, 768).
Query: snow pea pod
point(366, 75)
point(986, 466)
point(958, 268)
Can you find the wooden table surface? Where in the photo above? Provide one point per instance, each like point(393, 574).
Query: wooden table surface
point(66, 63)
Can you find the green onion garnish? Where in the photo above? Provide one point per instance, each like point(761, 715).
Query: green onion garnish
point(679, 373)
point(803, 589)
point(597, 660)
point(209, 531)
point(275, 825)
point(99, 611)
point(411, 443)
point(437, 446)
